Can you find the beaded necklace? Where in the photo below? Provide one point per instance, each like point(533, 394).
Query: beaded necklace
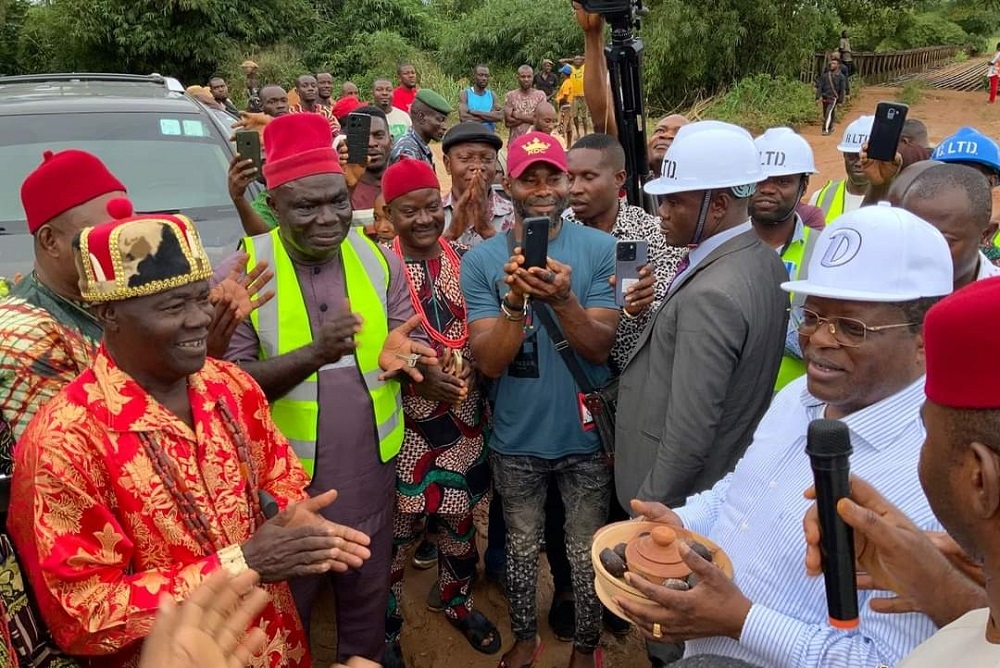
point(435, 332)
point(193, 517)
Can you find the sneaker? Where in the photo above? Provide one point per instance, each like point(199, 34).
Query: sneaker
point(426, 555)
point(434, 602)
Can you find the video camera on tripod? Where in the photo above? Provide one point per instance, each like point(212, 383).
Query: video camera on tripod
point(624, 57)
point(615, 11)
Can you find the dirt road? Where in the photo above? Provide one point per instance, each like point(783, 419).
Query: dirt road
point(429, 641)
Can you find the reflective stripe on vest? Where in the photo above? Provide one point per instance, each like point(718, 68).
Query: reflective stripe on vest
point(800, 253)
point(831, 199)
point(282, 326)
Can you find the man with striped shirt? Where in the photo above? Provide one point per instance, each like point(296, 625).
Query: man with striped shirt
point(860, 333)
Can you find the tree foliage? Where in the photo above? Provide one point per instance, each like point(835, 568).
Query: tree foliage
point(691, 48)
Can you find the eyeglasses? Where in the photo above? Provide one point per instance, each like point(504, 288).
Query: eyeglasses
point(848, 332)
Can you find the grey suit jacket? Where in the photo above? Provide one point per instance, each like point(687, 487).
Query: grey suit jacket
point(702, 375)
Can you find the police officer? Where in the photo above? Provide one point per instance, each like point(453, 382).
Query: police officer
point(786, 161)
point(838, 197)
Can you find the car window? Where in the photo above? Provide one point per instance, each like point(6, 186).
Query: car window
point(168, 162)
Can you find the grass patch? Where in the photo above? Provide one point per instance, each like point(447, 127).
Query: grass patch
point(911, 93)
point(762, 101)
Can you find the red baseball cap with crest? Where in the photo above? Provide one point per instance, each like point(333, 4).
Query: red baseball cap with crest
point(534, 147)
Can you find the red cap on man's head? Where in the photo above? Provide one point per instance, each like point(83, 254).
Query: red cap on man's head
point(534, 147)
point(63, 181)
point(406, 176)
point(961, 333)
point(297, 146)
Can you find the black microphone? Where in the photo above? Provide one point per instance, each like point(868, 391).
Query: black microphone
point(828, 444)
point(268, 504)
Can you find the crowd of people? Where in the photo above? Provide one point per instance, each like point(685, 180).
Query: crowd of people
point(376, 367)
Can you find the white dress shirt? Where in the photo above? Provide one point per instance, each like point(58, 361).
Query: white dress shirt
point(755, 514)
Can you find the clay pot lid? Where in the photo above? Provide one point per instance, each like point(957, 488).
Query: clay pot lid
point(656, 555)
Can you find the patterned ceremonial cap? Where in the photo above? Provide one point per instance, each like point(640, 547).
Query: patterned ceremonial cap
point(134, 256)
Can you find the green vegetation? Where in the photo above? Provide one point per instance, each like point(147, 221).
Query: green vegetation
point(693, 50)
point(911, 93)
point(760, 102)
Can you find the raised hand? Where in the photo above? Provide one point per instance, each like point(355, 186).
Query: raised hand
point(205, 631)
point(401, 354)
point(299, 541)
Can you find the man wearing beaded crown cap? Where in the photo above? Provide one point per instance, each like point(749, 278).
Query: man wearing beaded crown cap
point(157, 466)
point(319, 359)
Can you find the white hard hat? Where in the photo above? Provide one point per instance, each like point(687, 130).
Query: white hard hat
point(878, 254)
point(856, 135)
point(708, 155)
point(783, 152)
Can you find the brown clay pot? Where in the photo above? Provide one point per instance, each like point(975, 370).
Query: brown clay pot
point(656, 557)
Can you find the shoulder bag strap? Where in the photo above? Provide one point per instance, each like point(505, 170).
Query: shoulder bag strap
point(556, 336)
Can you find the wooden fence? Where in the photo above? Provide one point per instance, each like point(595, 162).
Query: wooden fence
point(876, 68)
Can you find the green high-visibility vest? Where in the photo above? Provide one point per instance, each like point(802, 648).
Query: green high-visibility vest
point(796, 258)
point(282, 325)
point(831, 199)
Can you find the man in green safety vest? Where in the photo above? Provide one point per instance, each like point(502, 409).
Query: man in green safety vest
point(838, 197)
point(325, 351)
point(786, 161)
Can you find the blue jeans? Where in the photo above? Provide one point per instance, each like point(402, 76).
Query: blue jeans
point(584, 482)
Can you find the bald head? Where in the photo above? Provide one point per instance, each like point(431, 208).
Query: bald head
point(902, 183)
point(957, 201)
point(915, 132)
point(663, 136)
point(525, 77)
point(546, 118)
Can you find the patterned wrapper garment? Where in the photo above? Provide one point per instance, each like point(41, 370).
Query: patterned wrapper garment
point(101, 535)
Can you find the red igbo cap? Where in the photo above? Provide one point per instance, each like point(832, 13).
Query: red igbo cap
point(406, 176)
point(346, 105)
point(960, 332)
point(64, 180)
point(298, 145)
point(534, 147)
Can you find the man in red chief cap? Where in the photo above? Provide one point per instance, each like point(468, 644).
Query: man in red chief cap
point(315, 352)
point(158, 466)
point(943, 575)
point(47, 334)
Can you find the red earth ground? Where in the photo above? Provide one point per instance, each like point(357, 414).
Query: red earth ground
point(428, 640)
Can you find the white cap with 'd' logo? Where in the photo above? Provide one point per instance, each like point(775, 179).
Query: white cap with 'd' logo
point(878, 254)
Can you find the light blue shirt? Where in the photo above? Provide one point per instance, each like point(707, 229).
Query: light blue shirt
point(755, 514)
point(702, 250)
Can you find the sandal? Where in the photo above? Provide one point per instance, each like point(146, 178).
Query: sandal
point(598, 658)
point(539, 646)
point(477, 628)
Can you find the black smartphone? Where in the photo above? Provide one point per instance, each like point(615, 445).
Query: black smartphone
point(536, 242)
point(886, 131)
point(248, 146)
point(630, 257)
point(359, 127)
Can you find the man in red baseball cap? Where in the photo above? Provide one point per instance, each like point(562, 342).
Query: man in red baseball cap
point(320, 364)
point(543, 433)
point(47, 335)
